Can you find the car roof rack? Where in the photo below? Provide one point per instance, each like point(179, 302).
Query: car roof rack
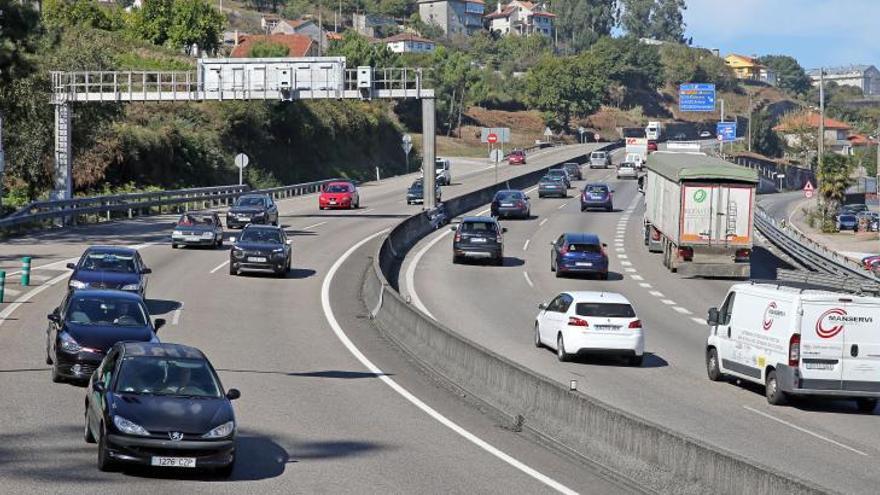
point(804, 280)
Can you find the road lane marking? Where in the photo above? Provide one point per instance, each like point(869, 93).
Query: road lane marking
point(637, 277)
point(365, 211)
point(630, 270)
point(683, 311)
point(175, 319)
point(622, 256)
point(561, 206)
point(625, 263)
point(668, 302)
point(340, 334)
point(645, 285)
point(804, 430)
point(526, 245)
point(698, 321)
point(528, 280)
point(221, 265)
point(656, 293)
point(6, 313)
point(411, 274)
point(313, 226)
point(542, 222)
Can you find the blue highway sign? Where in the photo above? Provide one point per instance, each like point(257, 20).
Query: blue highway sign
point(726, 131)
point(696, 98)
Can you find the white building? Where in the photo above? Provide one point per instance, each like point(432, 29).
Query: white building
point(864, 77)
point(521, 17)
point(454, 17)
point(409, 43)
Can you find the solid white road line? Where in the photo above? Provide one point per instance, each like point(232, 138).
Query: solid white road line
point(313, 226)
point(365, 211)
point(6, 313)
point(528, 280)
point(804, 430)
point(526, 245)
point(218, 267)
point(175, 319)
point(411, 273)
point(340, 334)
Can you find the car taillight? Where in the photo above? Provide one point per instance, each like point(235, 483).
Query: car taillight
point(574, 321)
point(743, 254)
point(794, 350)
point(635, 324)
point(655, 234)
point(686, 253)
point(458, 237)
point(520, 204)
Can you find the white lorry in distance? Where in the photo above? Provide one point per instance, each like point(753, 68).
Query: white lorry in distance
point(444, 175)
point(797, 342)
point(636, 151)
point(653, 131)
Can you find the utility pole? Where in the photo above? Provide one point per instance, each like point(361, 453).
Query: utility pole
point(877, 165)
point(2, 162)
point(721, 142)
point(320, 30)
point(750, 121)
point(821, 116)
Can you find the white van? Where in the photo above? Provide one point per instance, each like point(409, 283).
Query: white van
point(444, 175)
point(798, 342)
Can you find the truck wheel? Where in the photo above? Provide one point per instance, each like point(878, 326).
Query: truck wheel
point(712, 367)
point(775, 396)
point(866, 405)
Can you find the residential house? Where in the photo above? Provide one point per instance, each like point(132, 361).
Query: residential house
point(454, 17)
point(521, 17)
point(791, 129)
point(864, 77)
point(299, 45)
point(408, 43)
point(750, 69)
point(268, 22)
point(370, 25)
point(306, 27)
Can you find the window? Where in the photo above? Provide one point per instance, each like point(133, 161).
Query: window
point(605, 310)
point(726, 310)
point(584, 248)
point(555, 304)
point(109, 262)
point(478, 227)
point(565, 303)
point(260, 235)
point(250, 201)
point(105, 311)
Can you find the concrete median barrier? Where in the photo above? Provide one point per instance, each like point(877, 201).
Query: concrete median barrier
point(657, 458)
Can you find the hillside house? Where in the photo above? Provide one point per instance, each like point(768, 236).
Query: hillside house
point(522, 18)
point(864, 77)
point(409, 43)
point(454, 17)
point(748, 68)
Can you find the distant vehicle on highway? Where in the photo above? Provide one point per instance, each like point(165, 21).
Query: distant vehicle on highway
point(600, 159)
point(552, 186)
point(516, 157)
point(797, 342)
point(636, 159)
point(160, 405)
point(198, 228)
point(261, 248)
point(854, 208)
point(478, 238)
point(627, 170)
point(416, 193)
point(582, 322)
point(597, 195)
point(87, 323)
point(110, 267)
point(577, 253)
point(652, 146)
point(574, 170)
point(511, 203)
point(341, 194)
point(252, 208)
point(705, 134)
point(847, 221)
point(443, 168)
point(562, 174)
point(654, 130)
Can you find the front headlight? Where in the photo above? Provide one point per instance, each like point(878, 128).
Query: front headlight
point(131, 287)
point(68, 344)
point(237, 253)
point(278, 250)
point(207, 235)
point(176, 233)
point(126, 426)
point(221, 431)
point(76, 284)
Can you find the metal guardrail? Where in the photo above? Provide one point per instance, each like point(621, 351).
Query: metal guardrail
point(44, 214)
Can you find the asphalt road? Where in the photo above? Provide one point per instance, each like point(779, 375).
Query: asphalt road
point(312, 417)
point(828, 443)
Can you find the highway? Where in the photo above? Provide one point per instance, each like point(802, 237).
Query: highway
point(827, 443)
point(313, 418)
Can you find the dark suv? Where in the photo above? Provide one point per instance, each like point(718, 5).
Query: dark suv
point(478, 238)
point(252, 208)
point(574, 170)
point(597, 196)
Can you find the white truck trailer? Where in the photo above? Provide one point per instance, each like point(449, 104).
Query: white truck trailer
point(699, 212)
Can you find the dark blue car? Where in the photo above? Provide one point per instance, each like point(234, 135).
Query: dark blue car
point(110, 267)
point(578, 253)
point(597, 196)
point(847, 221)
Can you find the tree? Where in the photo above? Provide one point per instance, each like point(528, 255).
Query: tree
point(357, 50)
point(580, 23)
point(453, 76)
point(152, 20)
point(18, 25)
point(834, 178)
point(764, 139)
point(682, 64)
point(667, 21)
point(629, 63)
point(635, 17)
point(61, 13)
point(268, 49)
point(566, 87)
point(790, 75)
point(195, 22)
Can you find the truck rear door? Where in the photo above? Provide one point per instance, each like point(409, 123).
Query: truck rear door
point(861, 344)
point(733, 215)
point(698, 213)
point(822, 345)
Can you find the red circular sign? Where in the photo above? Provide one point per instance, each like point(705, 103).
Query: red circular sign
point(808, 194)
point(834, 318)
point(492, 138)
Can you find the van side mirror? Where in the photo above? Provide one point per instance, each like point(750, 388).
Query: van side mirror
point(453, 228)
point(503, 229)
point(98, 386)
point(147, 271)
point(713, 318)
point(604, 245)
point(71, 266)
point(233, 394)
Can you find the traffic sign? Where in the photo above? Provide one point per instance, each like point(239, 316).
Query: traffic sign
point(696, 98)
point(808, 190)
point(548, 132)
point(726, 131)
point(406, 143)
point(241, 160)
point(503, 134)
point(492, 138)
point(496, 156)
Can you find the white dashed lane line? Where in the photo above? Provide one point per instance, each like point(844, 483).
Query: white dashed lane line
point(526, 245)
point(220, 266)
point(683, 311)
point(630, 270)
point(668, 302)
point(644, 285)
point(313, 226)
point(656, 293)
point(528, 280)
point(542, 222)
point(639, 277)
point(698, 321)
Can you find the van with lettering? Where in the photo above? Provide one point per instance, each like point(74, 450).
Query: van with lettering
point(797, 342)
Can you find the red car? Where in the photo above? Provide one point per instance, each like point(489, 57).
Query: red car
point(339, 195)
point(871, 262)
point(652, 146)
point(517, 157)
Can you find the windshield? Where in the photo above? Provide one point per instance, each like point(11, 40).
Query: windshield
point(167, 376)
point(550, 178)
point(337, 188)
point(416, 185)
point(556, 173)
point(108, 262)
point(188, 220)
point(508, 195)
point(598, 154)
point(584, 248)
point(106, 311)
point(250, 201)
point(262, 236)
point(597, 189)
point(478, 227)
point(605, 310)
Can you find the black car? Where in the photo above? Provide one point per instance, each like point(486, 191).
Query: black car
point(87, 323)
point(478, 238)
point(561, 174)
point(198, 228)
point(552, 186)
point(252, 208)
point(160, 405)
point(416, 192)
point(110, 267)
point(511, 203)
point(261, 248)
point(574, 170)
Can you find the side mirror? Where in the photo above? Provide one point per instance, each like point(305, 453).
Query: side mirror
point(542, 306)
point(98, 386)
point(71, 266)
point(146, 271)
point(453, 228)
point(528, 197)
point(503, 229)
point(232, 239)
point(288, 242)
point(713, 317)
point(54, 317)
point(233, 394)
point(604, 245)
point(158, 323)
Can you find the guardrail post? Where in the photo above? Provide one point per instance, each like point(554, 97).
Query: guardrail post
point(25, 271)
point(2, 285)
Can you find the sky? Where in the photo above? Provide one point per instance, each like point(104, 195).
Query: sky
point(815, 32)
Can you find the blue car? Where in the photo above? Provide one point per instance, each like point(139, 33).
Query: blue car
point(597, 196)
point(578, 253)
point(846, 221)
point(110, 267)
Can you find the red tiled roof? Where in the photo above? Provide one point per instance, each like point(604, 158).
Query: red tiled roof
point(527, 5)
point(299, 44)
point(810, 120)
point(500, 15)
point(544, 14)
point(334, 36)
point(481, 2)
point(861, 140)
point(405, 37)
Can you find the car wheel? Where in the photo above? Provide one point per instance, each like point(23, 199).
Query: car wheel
point(552, 265)
point(636, 361)
point(775, 396)
point(56, 377)
point(499, 261)
point(603, 276)
point(220, 242)
point(455, 260)
point(87, 430)
point(712, 367)
point(583, 208)
point(104, 462)
point(561, 354)
point(173, 246)
point(232, 270)
point(558, 272)
point(609, 208)
point(866, 405)
point(538, 343)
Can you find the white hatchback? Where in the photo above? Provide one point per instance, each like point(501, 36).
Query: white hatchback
point(587, 322)
point(628, 170)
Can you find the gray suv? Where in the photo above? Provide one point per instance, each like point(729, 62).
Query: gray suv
point(478, 238)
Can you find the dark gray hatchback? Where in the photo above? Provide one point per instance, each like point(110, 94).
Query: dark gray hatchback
point(478, 238)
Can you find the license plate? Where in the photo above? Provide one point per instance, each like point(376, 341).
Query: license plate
point(583, 264)
point(477, 254)
point(607, 327)
point(478, 240)
point(818, 366)
point(332, 201)
point(179, 462)
point(506, 205)
point(256, 259)
point(245, 219)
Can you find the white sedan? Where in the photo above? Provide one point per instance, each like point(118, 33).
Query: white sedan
point(587, 322)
